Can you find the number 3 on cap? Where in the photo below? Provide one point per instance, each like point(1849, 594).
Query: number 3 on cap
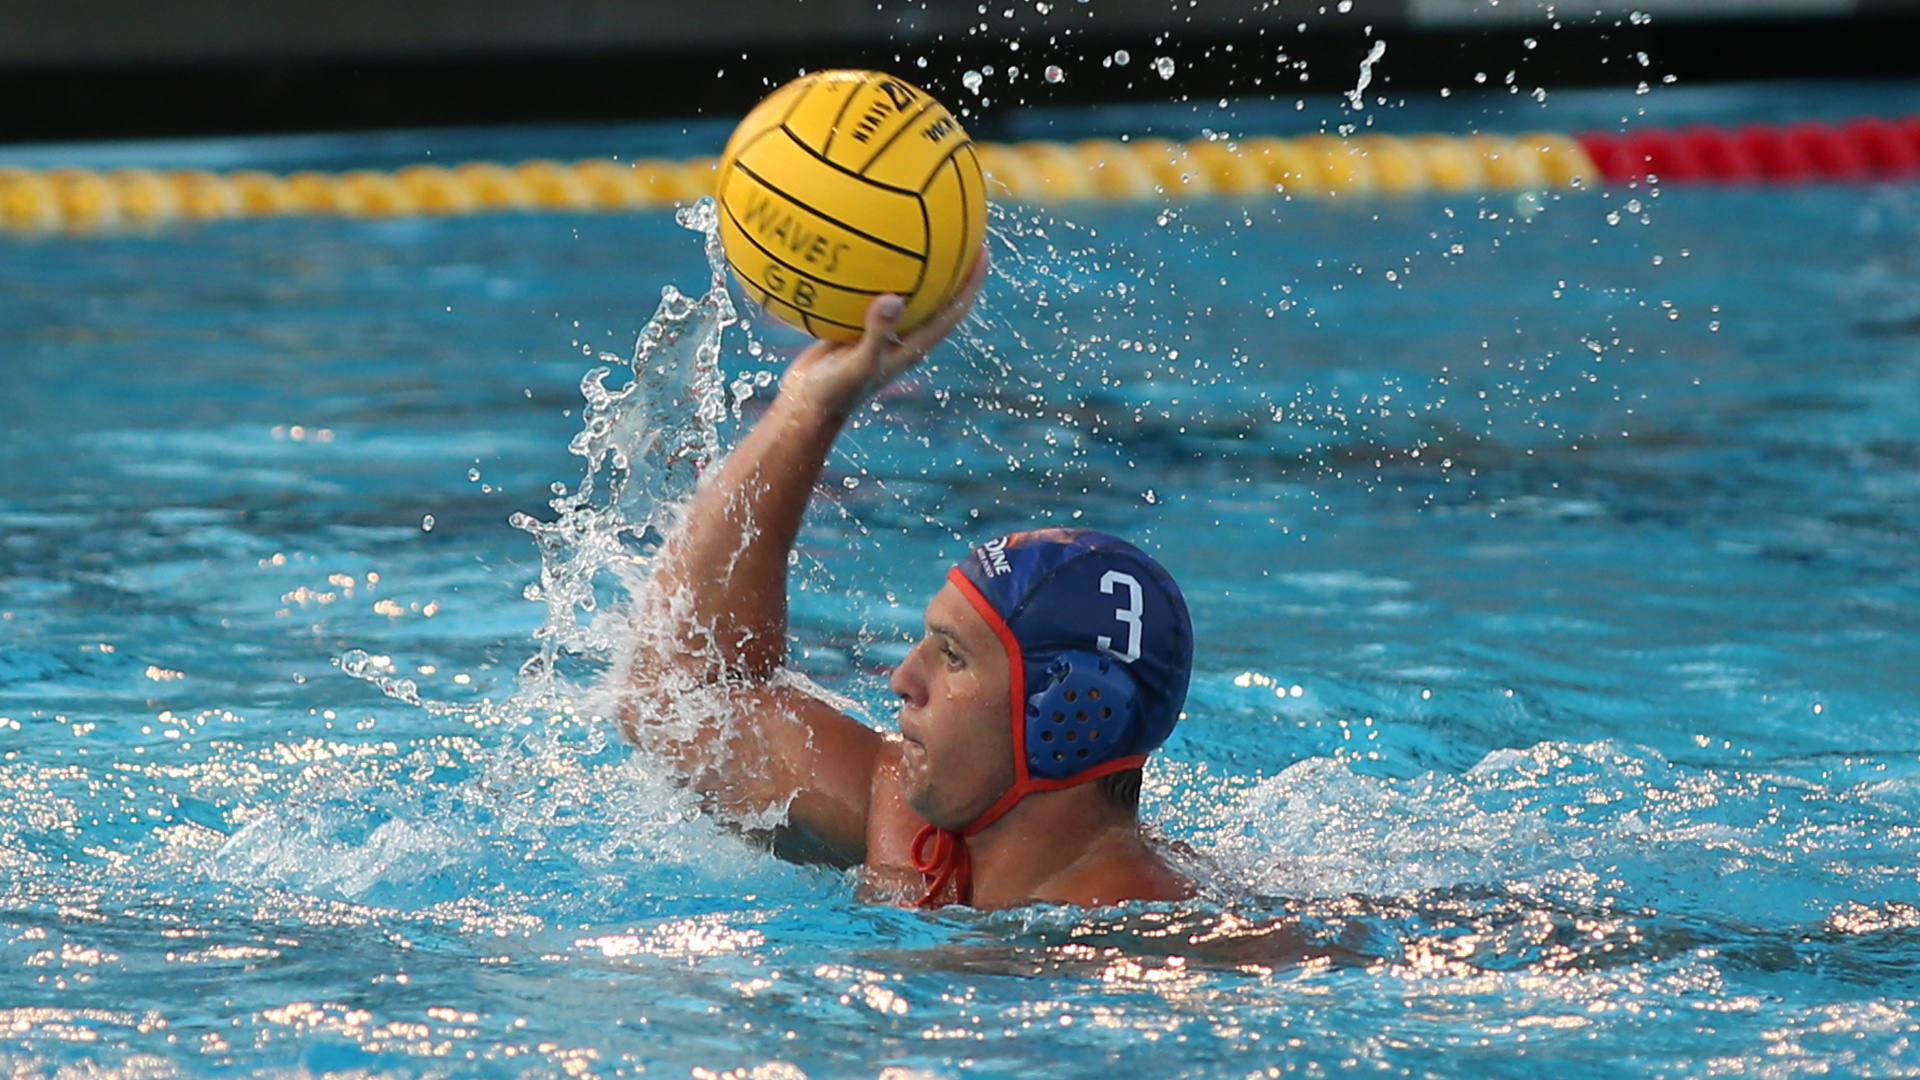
point(1129, 614)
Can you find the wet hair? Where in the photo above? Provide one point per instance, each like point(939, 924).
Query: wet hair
point(1122, 790)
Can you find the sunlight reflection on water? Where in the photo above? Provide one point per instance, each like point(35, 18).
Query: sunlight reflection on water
point(1597, 760)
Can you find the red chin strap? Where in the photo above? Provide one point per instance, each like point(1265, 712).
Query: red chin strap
point(948, 867)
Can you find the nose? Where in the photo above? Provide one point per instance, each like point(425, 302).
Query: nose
point(907, 680)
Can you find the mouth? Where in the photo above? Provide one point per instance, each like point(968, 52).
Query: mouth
point(913, 759)
point(909, 739)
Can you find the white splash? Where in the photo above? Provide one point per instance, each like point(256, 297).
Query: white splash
point(649, 427)
point(645, 445)
point(1357, 96)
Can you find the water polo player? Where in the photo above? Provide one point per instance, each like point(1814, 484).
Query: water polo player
point(1051, 664)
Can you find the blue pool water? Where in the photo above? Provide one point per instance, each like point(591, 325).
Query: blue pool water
point(1585, 741)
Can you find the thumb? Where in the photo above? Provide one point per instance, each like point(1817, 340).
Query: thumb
point(883, 315)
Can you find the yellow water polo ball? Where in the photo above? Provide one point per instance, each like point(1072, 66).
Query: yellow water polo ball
point(843, 185)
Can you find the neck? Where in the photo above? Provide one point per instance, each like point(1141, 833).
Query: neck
point(1042, 848)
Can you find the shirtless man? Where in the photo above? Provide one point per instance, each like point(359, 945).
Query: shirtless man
point(1051, 664)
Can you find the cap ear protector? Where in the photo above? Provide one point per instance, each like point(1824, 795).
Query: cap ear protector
point(1084, 715)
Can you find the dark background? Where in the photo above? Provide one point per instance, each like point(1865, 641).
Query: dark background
point(93, 69)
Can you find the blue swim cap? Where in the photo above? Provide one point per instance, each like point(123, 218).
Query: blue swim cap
point(1100, 644)
point(1099, 650)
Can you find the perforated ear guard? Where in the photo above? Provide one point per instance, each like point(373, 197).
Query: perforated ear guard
point(1082, 717)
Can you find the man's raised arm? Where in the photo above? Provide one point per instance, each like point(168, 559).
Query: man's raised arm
point(713, 630)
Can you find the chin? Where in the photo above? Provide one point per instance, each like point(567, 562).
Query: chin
point(918, 797)
point(921, 800)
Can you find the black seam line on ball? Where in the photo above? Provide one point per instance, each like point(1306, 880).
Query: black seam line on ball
point(839, 168)
point(801, 204)
point(902, 130)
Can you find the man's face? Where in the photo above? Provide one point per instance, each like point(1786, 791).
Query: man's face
point(954, 687)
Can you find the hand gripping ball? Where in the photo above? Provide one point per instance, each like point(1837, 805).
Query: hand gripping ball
point(843, 185)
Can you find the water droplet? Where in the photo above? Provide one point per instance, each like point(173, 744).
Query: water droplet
point(426, 523)
point(473, 474)
point(1164, 65)
point(1054, 74)
point(1121, 57)
point(972, 80)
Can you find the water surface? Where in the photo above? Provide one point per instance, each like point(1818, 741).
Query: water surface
point(1552, 563)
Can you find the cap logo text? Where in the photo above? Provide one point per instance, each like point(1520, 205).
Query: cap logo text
point(993, 557)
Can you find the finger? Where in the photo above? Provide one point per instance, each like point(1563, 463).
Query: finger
point(921, 340)
point(881, 320)
point(882, 323)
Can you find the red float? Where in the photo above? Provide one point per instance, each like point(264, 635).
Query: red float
point(1865, 149)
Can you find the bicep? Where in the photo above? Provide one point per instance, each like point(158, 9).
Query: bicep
point(779, 754)
point(824, 760)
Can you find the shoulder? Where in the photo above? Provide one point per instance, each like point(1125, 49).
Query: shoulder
point(1126, 869)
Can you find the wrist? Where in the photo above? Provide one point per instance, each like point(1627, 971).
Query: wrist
point(801, 393)
point(800, 410)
